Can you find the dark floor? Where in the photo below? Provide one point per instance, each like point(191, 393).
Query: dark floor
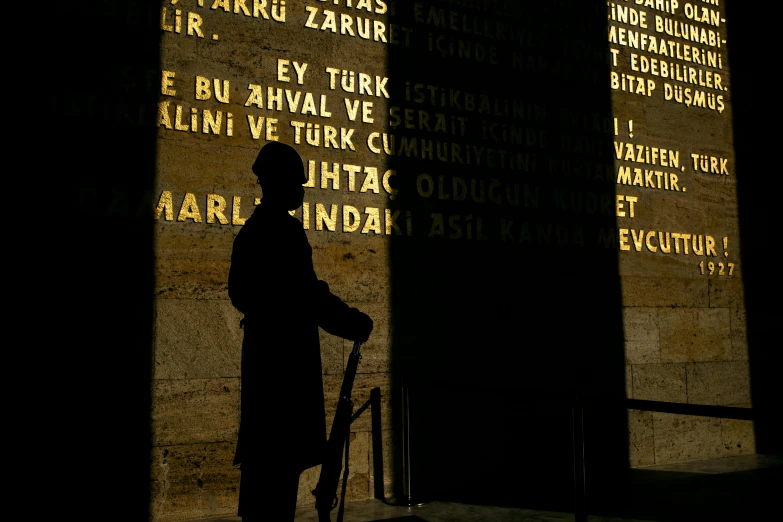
point(376, 510)
point(746, 488)
point(742, 488)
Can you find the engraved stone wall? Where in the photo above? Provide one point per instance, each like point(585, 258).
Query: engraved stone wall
point(537, 202)
point(532, 202)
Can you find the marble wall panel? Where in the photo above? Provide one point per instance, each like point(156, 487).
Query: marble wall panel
point(387, 455)
point(189, 411)
point(727, 292)
point(640, 328)
point(721, 383)
point(358, 487)
point(702, 131)
point(675, 211)
point(642, 352)
point(640, 323)
point(196, 339)
point(362, 386)
point(194, 480)
point(738, 437)
point(641, 443)
point(224, 170)
point(638, 263)
point(664, 291)
point(187, 269)
point(659, 382)
point(376, 356)
point(307, 482)
point(355, 272)
point(695, 335)
point(332, 353)
point(739, 334)
point(680, 438)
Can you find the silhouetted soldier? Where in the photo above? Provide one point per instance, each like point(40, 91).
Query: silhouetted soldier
point(272, 282)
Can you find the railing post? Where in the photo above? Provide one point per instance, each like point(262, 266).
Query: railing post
point(407, 498)
point(404, 496)
point(580, 493)
point(377, 442)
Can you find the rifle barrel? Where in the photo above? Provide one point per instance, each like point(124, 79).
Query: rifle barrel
point(326, 490)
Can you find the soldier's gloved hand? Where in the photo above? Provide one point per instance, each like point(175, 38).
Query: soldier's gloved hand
point(364, 327)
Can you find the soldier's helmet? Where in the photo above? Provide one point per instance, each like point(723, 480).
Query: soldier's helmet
point(278, 163)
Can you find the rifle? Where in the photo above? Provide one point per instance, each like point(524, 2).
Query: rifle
point(326, 490)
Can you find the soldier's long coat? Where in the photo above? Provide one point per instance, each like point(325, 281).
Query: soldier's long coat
point(273, 283)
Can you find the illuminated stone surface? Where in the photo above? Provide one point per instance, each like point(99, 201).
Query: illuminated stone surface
point(193, 478)
point(659, 382)
point(471, 289)
point(722, 383)
point(680, 438)
point(695, 335)
point(197, 339)
point(641, 444)
point(175, 400)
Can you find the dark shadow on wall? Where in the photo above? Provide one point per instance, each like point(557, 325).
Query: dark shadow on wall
point(97, 72)
point(506, 303)
point(753, 143)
